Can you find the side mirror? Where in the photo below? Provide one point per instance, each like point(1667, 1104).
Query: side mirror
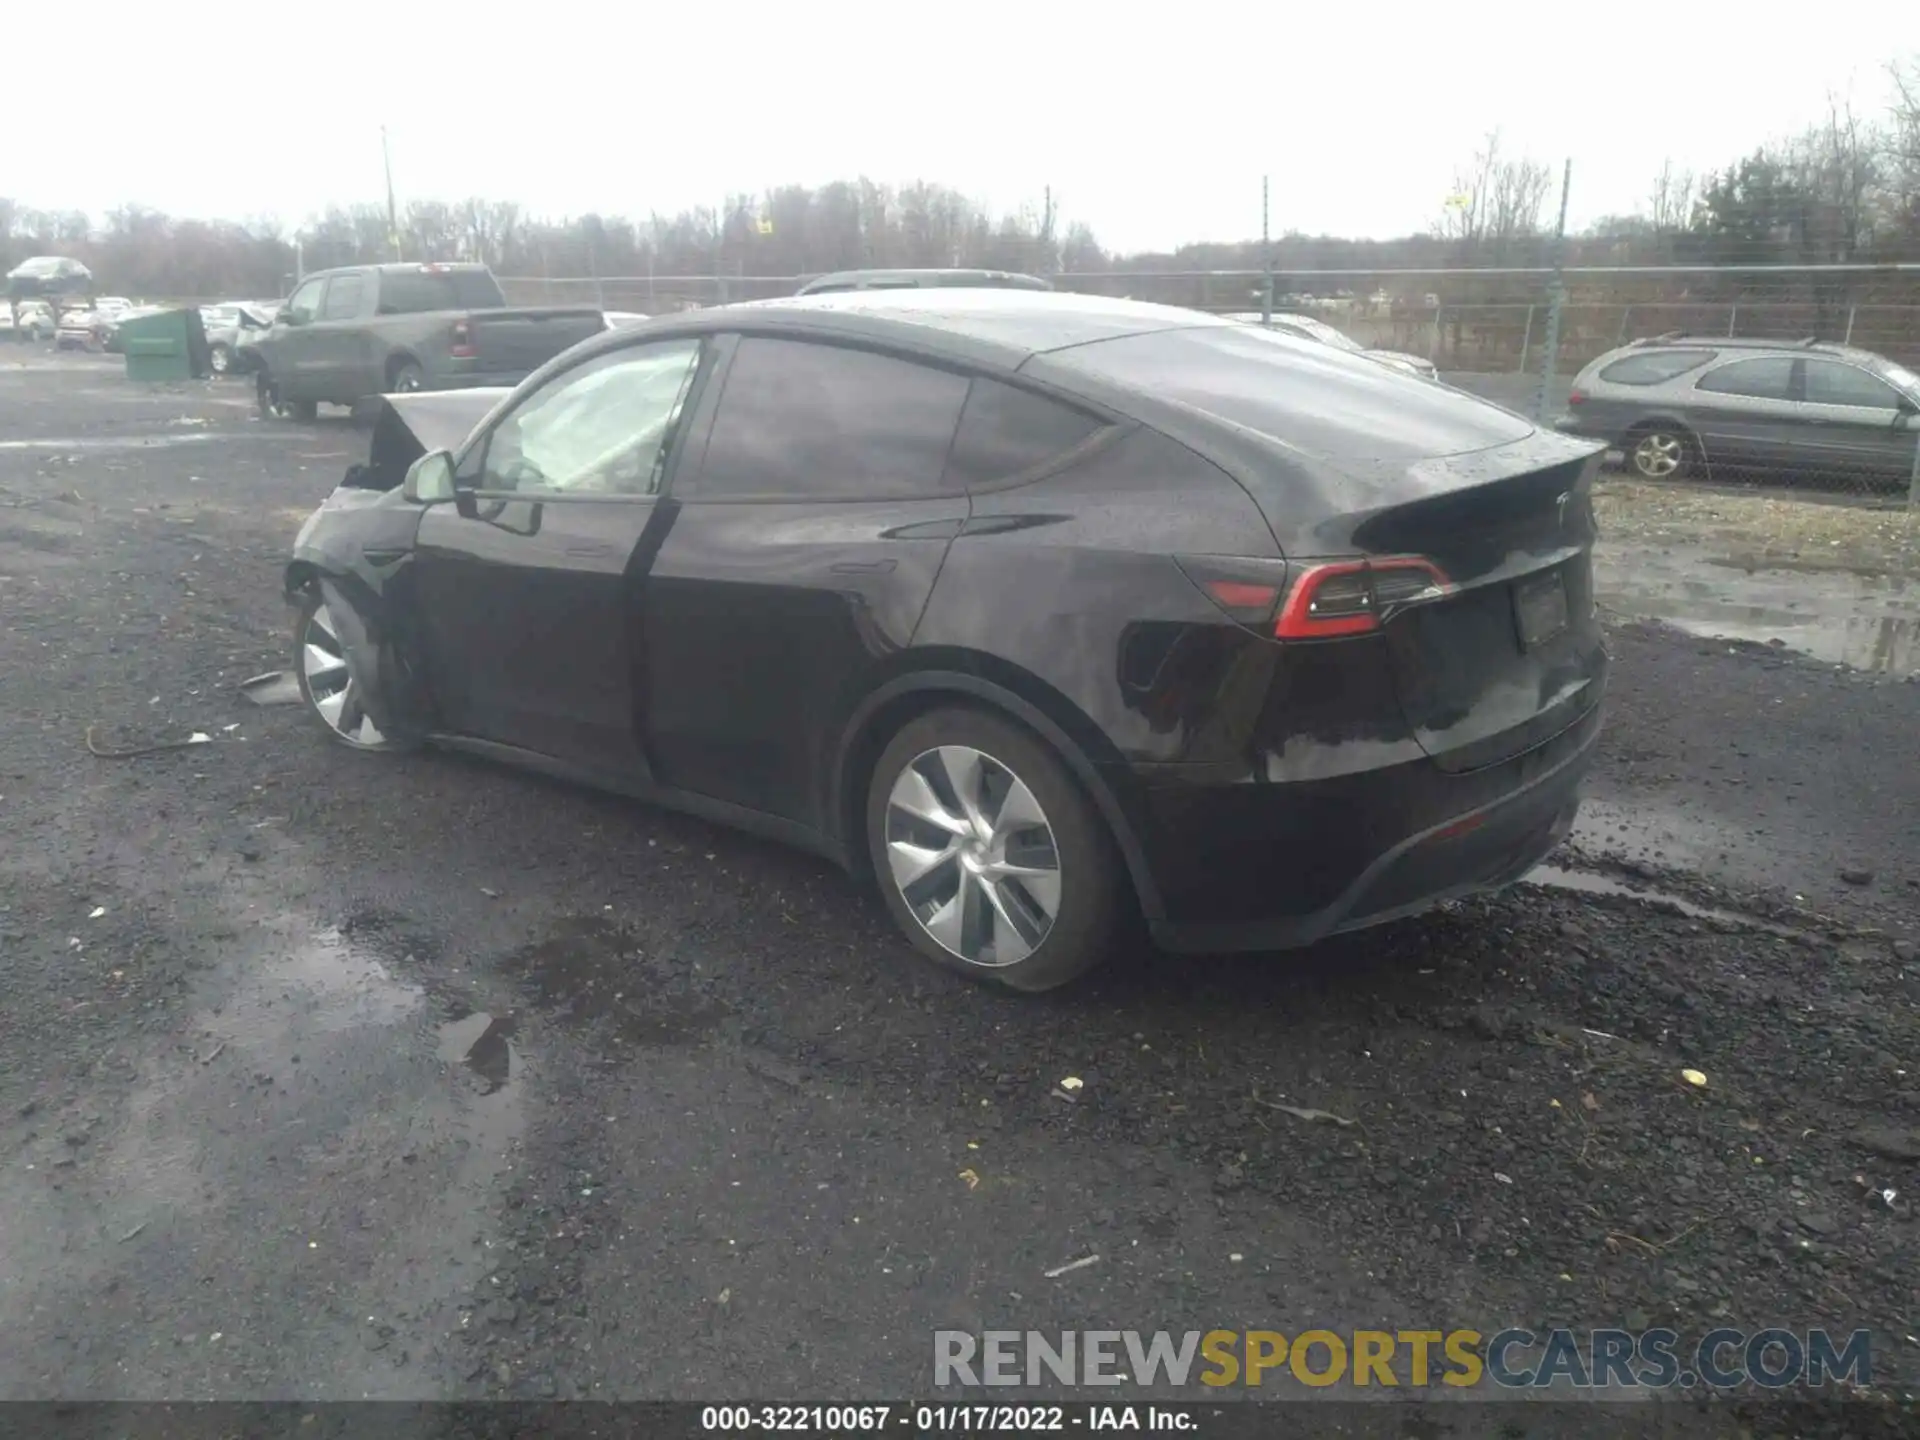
point(429, 479)
point(286, 317)
point(1907, 405)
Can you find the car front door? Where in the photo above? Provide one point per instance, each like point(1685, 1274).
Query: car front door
point(1745, 415)
point(290, 348)
point(335, 342)
point(805, 543)
point(527, 585)
point(1856, 423)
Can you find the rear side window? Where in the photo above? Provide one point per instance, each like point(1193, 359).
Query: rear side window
point(1006, 431)
point(343, 297)
point(1655, 366)
point(807, 421)
point(416, 292)
point(1765, 379)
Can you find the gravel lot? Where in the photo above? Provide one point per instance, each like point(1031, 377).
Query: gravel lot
point(325, 1077)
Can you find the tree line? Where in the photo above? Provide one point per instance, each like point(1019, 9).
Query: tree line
point(1844, 190)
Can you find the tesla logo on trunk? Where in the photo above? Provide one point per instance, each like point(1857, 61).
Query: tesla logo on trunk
point(1560, 504)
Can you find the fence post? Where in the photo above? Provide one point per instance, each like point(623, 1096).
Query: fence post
point(1913, 480)
point(1733, 315)
point(1439, 333)
point(1626, 315)
point(1557, 303)
point(1850, 312)
point(1526, 340)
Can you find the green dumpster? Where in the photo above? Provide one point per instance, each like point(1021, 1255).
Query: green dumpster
point(168, 345)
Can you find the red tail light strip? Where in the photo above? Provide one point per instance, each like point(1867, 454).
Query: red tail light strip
point(1312, 613)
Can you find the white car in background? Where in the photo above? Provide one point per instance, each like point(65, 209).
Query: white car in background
point(1307, 327)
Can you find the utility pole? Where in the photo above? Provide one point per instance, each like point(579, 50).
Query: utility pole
point(1266, 255)
point(1048, 254)
point(1556, 301)
point(393, 210)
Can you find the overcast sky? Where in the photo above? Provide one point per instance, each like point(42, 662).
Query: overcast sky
point(1152, 123)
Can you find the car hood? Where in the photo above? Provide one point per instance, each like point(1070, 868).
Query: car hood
point(409, 426)
point(1401, 358)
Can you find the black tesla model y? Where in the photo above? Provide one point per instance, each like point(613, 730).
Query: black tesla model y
point(1048, 611)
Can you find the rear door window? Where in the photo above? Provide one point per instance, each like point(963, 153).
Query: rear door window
point(803, 420)
point(1006, 432)
point(1654, 366)
point(1831, 383)
point(1769, 378)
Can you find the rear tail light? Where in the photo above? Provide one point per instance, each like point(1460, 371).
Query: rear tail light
point(1577, 397)
point(1315, 600)
point(461, 342)
point(1354, 597)
point(1247, 590)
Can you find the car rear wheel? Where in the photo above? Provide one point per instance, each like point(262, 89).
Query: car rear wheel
point(992, 859)
point(326, 684)
point(273, 407)
point(1660, 453)
point(407, 377)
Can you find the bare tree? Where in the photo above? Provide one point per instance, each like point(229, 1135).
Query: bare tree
point(1496, 200)
point(1670, 204)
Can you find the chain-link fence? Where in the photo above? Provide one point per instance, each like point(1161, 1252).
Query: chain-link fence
point(1826, 409)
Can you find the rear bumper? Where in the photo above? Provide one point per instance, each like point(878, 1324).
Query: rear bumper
point(1408, 838)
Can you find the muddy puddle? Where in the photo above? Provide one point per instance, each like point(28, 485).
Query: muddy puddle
point(1866, 621)
point(1585, 882)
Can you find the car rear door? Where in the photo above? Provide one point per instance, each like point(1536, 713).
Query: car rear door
point(1745, 415)
point(1855, 422)
point(805, 543)
point(528, 586)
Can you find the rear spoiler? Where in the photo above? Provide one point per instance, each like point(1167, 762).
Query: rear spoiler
point(409, 426)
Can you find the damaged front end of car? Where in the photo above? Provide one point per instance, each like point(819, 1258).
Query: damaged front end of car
point(353, 554)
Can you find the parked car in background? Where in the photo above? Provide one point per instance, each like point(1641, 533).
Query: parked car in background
point(234, 331)
point(1309, 327)
point(81, 328)
point(1045, 610)
point(35, 320)
point(1681, 406)
point(344, 335)
point(922, 279)
point(48, 277)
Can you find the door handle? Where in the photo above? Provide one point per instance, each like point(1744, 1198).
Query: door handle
point(862, 567)
point(588, 550)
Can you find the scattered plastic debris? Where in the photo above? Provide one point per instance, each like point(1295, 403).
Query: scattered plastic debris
point(1503, 1177)
point(1082, 1263)
point(1072, 1082)
point(1303, 1113)
point(972, 1177)
point(276, 687)
point(96, 912)
point(489, 892)
point(1697, 1078)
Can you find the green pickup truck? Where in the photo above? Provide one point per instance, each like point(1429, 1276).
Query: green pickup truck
point(346, 335)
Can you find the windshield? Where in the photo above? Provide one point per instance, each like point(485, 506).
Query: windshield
point(1902, 379)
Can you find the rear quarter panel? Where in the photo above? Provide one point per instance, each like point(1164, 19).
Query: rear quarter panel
point(1065, 590)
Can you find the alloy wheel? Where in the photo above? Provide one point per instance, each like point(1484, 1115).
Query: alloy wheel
point(973, 855)
point(1659, 455)
point(218, 359)
point(331, 688)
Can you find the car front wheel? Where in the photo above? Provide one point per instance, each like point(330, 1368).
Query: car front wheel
point(327, 686)
point(991, 857)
